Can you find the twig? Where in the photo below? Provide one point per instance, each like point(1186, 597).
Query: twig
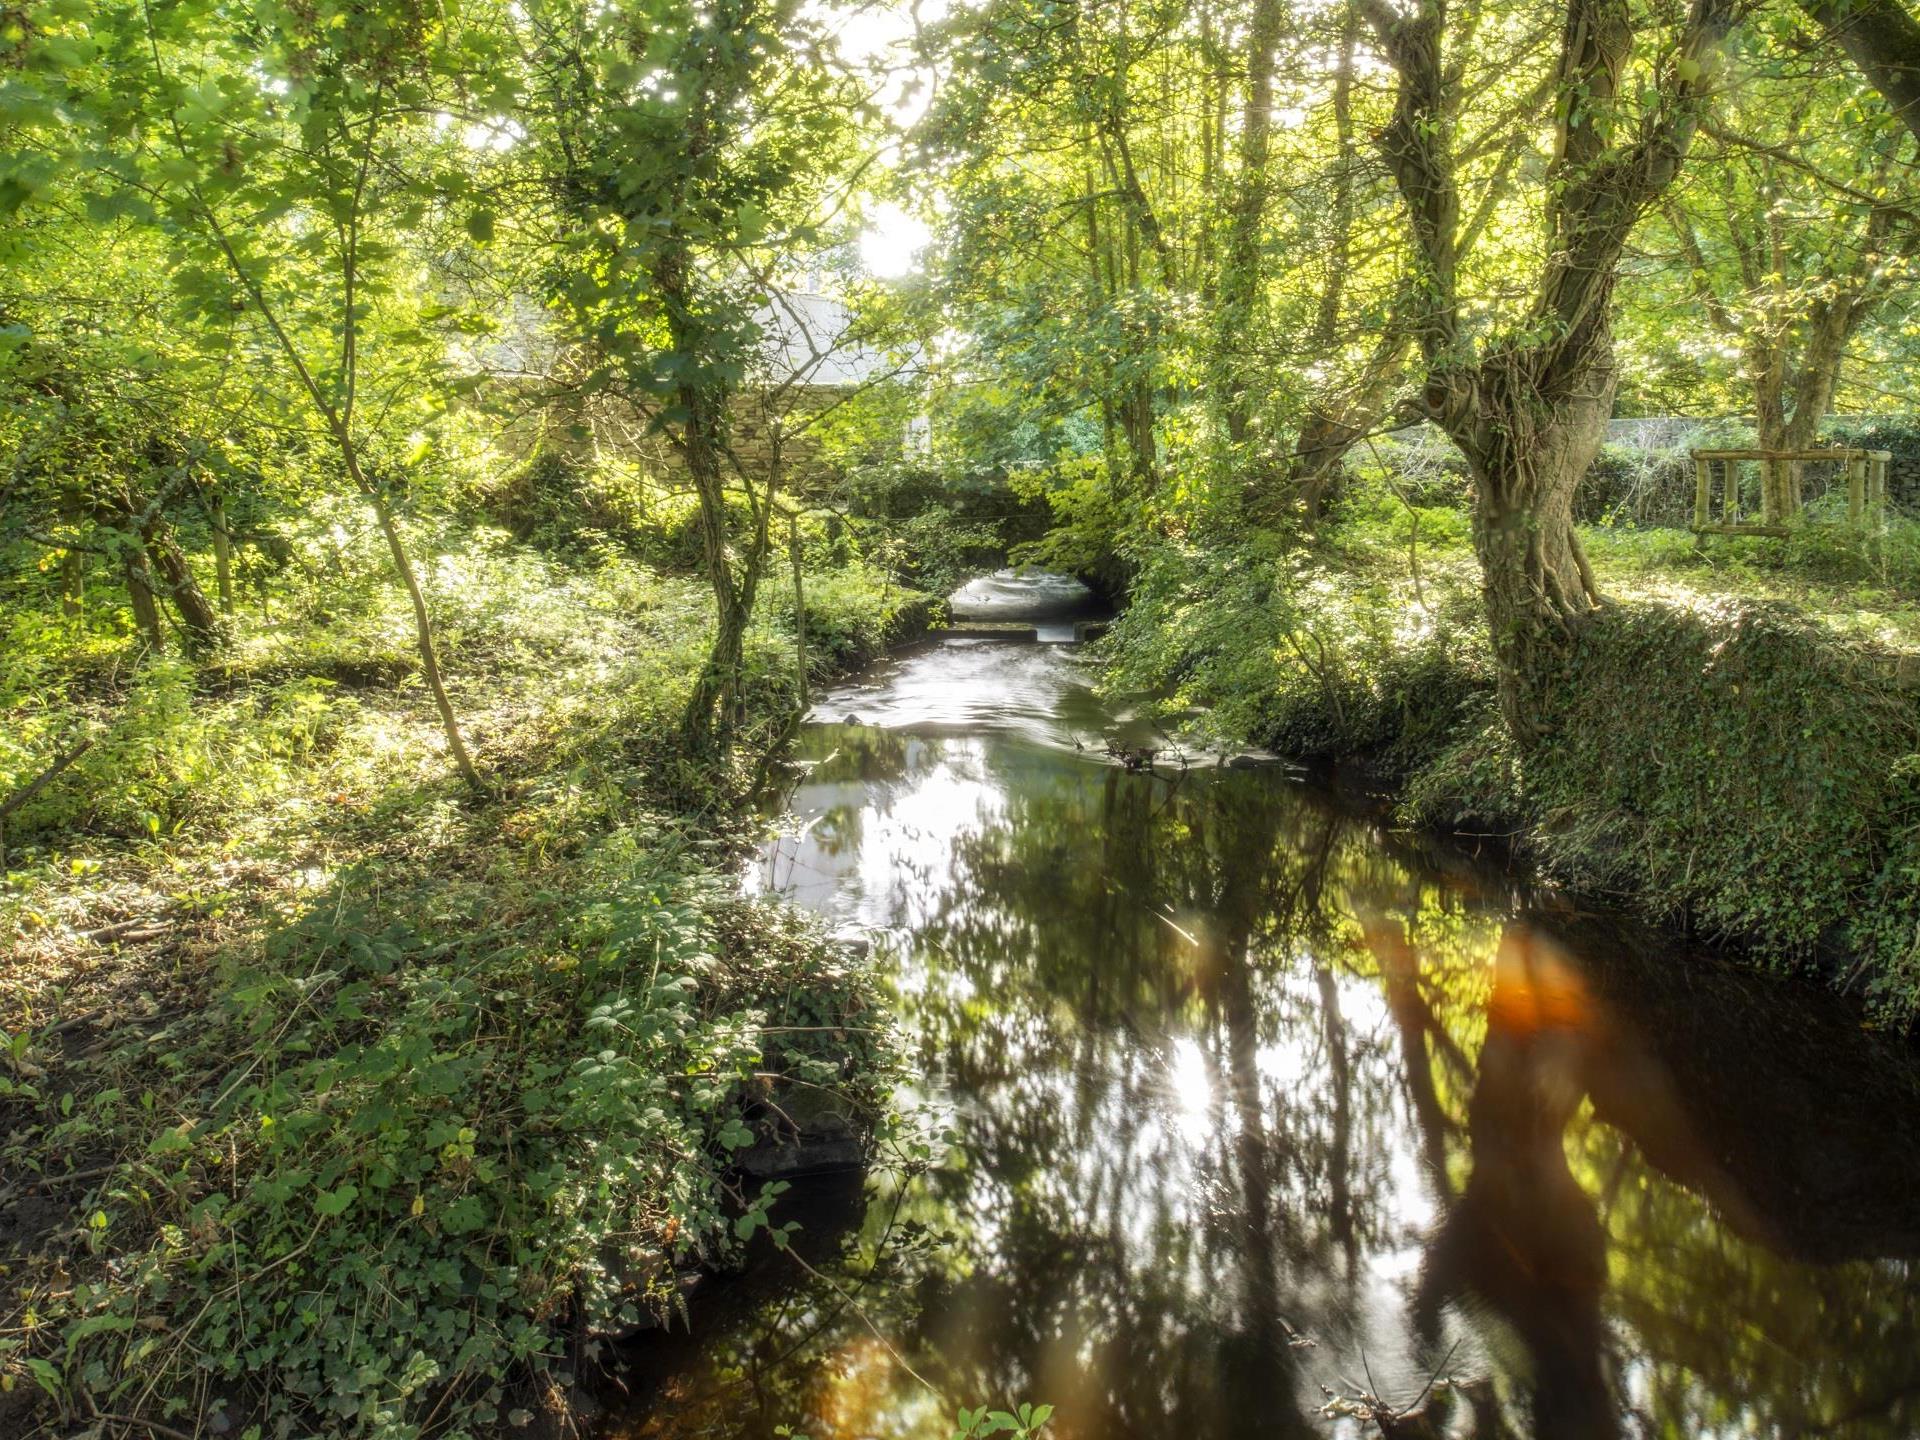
point(139, 928)
point(20, 797)
point(107, 1417)
point(1445, 1360)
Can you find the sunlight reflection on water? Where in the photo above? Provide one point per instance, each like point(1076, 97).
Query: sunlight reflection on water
point(1260, 1110)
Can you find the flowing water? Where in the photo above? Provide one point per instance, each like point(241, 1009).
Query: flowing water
point(1267, 1117)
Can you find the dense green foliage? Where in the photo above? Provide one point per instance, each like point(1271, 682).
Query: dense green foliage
point(468, 1109)
point(440, 444)
point(479, 1067)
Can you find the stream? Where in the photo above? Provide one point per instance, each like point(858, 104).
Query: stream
point(1270, 1120)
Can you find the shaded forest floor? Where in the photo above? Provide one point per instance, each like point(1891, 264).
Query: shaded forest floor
point(284, 1002)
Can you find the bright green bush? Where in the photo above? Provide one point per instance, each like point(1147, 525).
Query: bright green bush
point(853, 613)
point(165, 754)
point(936, 549)
point(1292, 653)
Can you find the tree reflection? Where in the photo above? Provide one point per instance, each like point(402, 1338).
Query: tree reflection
point(1257, 1101)
point(1524, 1236)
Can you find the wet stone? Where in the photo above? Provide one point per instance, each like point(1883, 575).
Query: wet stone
point(809, 1132)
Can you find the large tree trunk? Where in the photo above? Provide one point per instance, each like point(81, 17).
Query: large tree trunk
point(1883, 40)
point(1528, 438)
point(1531, 413)
point(1240, 265)
point(1767, 374)
point(1830, 328)
point(1789, 400)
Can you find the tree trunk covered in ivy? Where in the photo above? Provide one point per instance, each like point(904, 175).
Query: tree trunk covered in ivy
point(1528, 438)
point(713, 707)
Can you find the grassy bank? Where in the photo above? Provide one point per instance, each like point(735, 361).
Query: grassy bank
point(1735, 745)
point(333, 1101)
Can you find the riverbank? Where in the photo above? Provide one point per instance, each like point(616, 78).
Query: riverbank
point(1258, 1106)
point(1735, 748)
point(332, 1098)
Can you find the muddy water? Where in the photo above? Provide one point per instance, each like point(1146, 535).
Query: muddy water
point(1267, 1118)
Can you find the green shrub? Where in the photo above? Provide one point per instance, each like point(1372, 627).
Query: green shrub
point(853, 613)
point(1631, 484)
point(936, 550)
point(1292, 654)
point(165, 754)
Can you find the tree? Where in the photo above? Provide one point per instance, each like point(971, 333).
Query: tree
point(1791, 240)
point(1883, 40)
point(1240, 267)
point(1528, 405)
point(675, 149)
point(281, 179)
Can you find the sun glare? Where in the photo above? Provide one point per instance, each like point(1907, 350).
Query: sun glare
point(890, 245)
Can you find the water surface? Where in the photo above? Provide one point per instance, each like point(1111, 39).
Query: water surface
point(1267, 1117)
point(1021, 594)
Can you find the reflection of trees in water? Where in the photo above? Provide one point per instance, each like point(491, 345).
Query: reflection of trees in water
point(861, 767)
point(1194, 1027)
point(1522, 1237)
point(1621, 1236)
point(1167, 933)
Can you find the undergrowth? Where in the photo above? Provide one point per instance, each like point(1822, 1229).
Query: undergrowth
point(334, 1103)
point(1729, 764)
point(1721, 754)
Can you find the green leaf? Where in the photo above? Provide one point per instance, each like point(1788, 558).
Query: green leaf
point(46, 1375)
point(335, 1202)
